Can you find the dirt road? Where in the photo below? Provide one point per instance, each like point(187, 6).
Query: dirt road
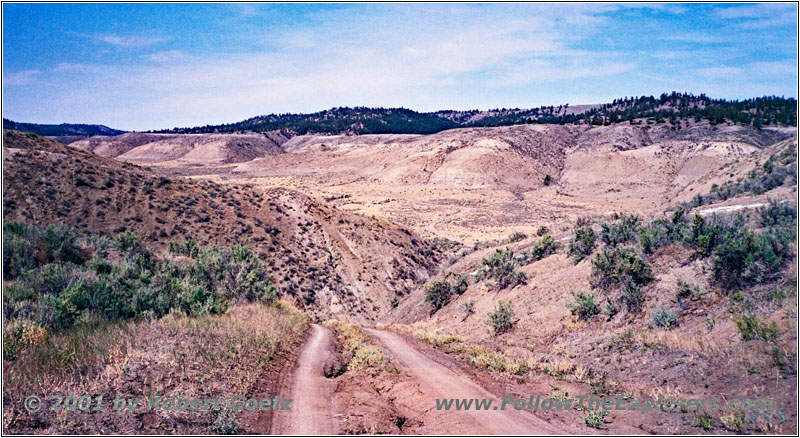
point(441, 382)
point(311, 392)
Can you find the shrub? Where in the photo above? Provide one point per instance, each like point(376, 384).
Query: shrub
point(583, 306)
point(595, 418)
point(516, 236)
point(632, 296)
point(751, 258)
point(19, 334)
point(26, 248)
point(130, 242)
point(547, 180)
point(58, 294)
point(438, 293)
point(751, 328)
point(609, 308)
point(663, 318)
point(685, 290)
point(705, 422)
point(582, 244)
point(623, 231)
point(619, 267)
point(188, 248)
point(778, 214)
point(544, 247)
point(502, 319)
point(224, 423)
point(661, 232)
point(501, 268)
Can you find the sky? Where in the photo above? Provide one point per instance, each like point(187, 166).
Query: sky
point(153, 66)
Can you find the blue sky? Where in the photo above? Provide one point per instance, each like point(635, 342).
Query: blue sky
point(150, 66)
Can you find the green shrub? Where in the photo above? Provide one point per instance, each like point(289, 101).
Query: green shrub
point(502, 319)
point(662, 317)
point(130, 242)
point(583, 306)
point(544, 247)
point(685, 290)
point(623, 231)
point(704, 421)
point(778, 214)
point(26, 248)
point(224, 422)
point(188, 248)
point(751, 328)
point(632, 296)
point(619, 267)
point(609, 308)
point(57, 294)
point(662, 232)
point(750, 258)
point(595, 418)
point(440, 291)
point(582, 244)
point(502, 268)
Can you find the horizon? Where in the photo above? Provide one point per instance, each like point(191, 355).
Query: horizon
point(387, 108)
point(178, 65)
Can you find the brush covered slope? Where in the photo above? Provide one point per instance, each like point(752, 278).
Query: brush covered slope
point(699, 301)
point(92, 321)
point(327, 261)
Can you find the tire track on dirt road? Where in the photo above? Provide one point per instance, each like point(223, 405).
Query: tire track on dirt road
point(310, 391)
point(442, 382)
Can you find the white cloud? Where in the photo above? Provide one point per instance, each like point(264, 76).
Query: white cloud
point(127, 41)
point(759, 16)
point(471, 56)
point(22, 77)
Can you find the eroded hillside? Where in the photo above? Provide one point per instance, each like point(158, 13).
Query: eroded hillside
point(478, 184)
point(330, 262)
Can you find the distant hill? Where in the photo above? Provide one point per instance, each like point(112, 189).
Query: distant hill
point(668, 108)
point(62, 130)
point(359, 120)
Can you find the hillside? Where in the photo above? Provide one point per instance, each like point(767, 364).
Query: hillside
point(477, 184)
point(668, 107)
point(703, 294)
point(62, 130)
point(359, 120)
point(470, 184)
point(185, 149)
point(327, 261)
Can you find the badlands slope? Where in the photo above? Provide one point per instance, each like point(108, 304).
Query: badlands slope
point(471, 184)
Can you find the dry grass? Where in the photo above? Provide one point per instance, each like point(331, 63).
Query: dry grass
point(360, 352)
point(215, 355)
point(436, 339)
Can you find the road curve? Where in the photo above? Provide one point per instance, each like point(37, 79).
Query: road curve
point(311, 392)
point(442, 382)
